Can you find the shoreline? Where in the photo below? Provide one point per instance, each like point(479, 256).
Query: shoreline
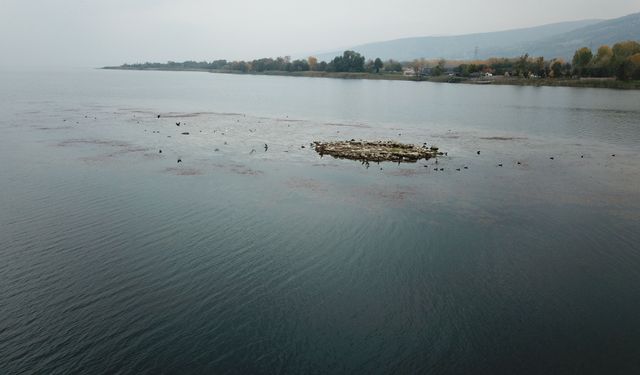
point(538, 82)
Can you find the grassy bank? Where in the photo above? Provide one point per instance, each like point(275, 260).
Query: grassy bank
point(560, 82)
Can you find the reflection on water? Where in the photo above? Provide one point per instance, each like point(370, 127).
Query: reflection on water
point(241, 259)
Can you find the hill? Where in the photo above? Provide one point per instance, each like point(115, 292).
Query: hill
point(553, 40)
point(565, 44)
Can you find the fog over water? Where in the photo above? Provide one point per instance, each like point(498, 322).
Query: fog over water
point(99, 33)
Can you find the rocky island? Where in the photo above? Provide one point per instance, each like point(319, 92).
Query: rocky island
point(376, 151)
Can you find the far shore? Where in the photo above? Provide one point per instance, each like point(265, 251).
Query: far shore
point(609, 83)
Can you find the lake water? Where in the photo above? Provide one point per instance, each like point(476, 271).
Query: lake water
point(114, 258)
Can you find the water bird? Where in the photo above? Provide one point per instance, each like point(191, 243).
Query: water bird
point(442, 169)
point(302, 146)
point(465, 167)
point(613, 155)
point(178, 123)
point(478, 152)
point(500, 165)
point(158, 116)
point(266, 147)
point(581, 156)
point(252, 151)
point(458, 169)
point(518, 163)
point(179, 160)
point(185, 133)
point(160, 152)
point(551, 158)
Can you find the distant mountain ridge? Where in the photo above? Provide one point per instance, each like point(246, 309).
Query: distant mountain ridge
point(593, 36)
point(553, 40)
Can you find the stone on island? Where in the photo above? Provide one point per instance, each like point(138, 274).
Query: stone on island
point(376, 151)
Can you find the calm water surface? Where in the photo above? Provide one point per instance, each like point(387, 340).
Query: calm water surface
point(117, 259)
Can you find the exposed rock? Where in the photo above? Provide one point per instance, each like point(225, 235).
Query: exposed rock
point(376, 151)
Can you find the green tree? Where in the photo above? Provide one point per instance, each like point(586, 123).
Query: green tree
point(581, 60)
point(521, 66)
point(392, 66)
point(556, 68)
point(350, 61)
point(635, 66)
point(626, 49)
point(377, 64)
point(537, 67)
point(601, 64)
point(438, 70)
point(621, 64)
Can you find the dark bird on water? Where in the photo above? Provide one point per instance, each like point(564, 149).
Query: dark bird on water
point(581, 156)
point(466, 167)
point(158, 116)
point(500, 165)
point(518, 163)
point(458, 169)
point(160, 152)
point(178, 123)
point(614, 155)
point(551, 158)
point(179, 160)
point(442, 169)
point(478, 152)
point(266, 147)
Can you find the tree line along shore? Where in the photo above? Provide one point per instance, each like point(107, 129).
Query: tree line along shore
point(617, 66)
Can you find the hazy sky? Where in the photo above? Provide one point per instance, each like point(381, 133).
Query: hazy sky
point(107, 32)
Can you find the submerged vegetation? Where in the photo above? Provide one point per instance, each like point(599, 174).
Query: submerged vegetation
point(613, 67)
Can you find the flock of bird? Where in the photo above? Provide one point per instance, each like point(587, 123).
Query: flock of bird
point(364, 162)
point(178, 123)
